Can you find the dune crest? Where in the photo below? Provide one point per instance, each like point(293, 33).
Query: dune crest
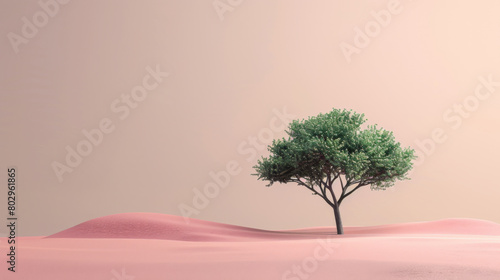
point(161, 226)
point(170, 227)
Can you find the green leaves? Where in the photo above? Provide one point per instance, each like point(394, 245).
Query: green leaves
point(334, 144)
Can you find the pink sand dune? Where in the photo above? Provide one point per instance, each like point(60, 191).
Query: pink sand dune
point(146, 246)
point(169, 227)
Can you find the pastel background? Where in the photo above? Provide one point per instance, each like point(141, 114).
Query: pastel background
point(230, 71)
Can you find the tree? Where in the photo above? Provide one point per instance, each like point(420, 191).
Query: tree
point(332, 148)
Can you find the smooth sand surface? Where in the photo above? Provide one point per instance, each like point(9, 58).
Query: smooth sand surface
point(145, 246)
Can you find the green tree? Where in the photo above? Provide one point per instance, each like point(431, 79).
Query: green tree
point(332, 148)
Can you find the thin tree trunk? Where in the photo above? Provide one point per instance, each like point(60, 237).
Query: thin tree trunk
point(338, 220)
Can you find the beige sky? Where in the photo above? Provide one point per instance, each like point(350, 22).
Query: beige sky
point(418, 68)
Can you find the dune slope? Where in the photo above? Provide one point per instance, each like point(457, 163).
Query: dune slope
point(163, 226)
point(170, 227)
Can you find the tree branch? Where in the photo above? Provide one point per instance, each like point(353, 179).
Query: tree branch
point(300, 182)
point(344, 195)
point(335, 203)
point(335, 176)
point(342, 184)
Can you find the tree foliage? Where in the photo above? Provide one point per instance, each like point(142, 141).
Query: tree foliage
point(323, 149)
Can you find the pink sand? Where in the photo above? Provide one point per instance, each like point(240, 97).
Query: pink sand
point(146, 246)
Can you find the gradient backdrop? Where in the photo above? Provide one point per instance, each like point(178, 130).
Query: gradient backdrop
point(237, 70)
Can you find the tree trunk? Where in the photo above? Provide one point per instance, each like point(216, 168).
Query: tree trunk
point(338, 220)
